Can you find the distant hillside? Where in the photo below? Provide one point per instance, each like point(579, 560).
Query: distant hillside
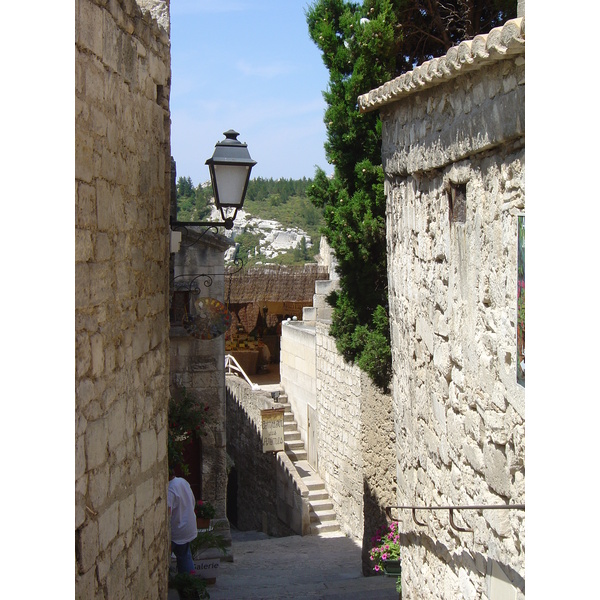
point(281, 200)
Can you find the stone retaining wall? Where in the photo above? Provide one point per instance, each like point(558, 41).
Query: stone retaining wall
point(122, 153)
point(356, 455)
point(257, 493)
point(340, 459)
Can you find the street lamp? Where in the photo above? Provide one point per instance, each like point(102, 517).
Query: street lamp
point(230, 167)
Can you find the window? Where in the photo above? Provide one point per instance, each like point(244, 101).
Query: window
point(457, 202)
point(180, 306)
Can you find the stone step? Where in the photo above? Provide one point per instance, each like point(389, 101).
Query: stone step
point(289, 426)
point(325, 314)
point(309, 314)
point(296, 455)
point(291, 435)
point(320, 301)
point(323, 516)
point(317, 495)
point(324, 287)
point(316, 528)
point(320, 504)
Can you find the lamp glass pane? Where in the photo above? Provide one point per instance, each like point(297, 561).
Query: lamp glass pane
point(230, 181)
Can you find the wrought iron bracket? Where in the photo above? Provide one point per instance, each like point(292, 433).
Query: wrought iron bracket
point(451, 509)
point(188, 282)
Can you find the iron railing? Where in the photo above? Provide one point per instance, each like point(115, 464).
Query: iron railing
point(451, 509)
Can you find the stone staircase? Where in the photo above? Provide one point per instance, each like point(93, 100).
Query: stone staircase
point(320, 310)
point(322, 516)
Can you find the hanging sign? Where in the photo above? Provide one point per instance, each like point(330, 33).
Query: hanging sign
point(211, 319)
point(272, 429)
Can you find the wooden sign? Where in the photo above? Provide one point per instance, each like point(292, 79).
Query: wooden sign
point(272, 429)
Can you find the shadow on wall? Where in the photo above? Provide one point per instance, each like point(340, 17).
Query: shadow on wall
point(253, 478)
point(374, 517)
point(470, 561)
point(232, 492)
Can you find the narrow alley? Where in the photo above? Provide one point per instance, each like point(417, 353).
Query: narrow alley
point(324, 566)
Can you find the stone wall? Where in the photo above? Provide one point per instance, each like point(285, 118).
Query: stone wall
point(340, 458)
point(198, 365)
point(356, 443)
point(258, 494)
point(298, 371)
point(453, 154)
point(122, 150)
point(353, 429)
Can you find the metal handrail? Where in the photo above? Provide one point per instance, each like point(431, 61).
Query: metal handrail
point(232, 366)
point(451, 510)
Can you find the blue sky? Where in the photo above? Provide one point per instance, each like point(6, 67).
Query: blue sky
point(249, 66)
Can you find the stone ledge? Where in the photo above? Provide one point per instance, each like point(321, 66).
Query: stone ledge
point(501, 43)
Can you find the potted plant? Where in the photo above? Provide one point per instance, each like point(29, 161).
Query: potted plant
point(205, 511)
point(206, 551)
point(385, 552)
point(188, 586)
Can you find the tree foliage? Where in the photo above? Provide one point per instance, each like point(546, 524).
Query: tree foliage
point(364, 45)
point(193, 204)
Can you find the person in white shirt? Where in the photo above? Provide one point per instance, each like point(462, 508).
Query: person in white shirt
point(181, 503)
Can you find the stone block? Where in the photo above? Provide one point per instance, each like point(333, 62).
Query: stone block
point(496, 470)
point(108, 525)
point(98, 486)
point(100, 283)
point(84, 247)
point(85, 585)
point(84, 157)
point(116, 424)
point(115, 579)
point(96, 440)
point(97, 354)
point(87, 546)
point(87, 32)
point(148, 448)
point(126, 511)
point(144, 497)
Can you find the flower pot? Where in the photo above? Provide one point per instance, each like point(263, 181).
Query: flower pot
point(392, 567)
point(202, 523)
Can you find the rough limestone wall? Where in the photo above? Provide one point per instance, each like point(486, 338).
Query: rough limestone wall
point(340, 458)
point(453, 295)
point(199, 365)
point(378, 445)
point(122, 143)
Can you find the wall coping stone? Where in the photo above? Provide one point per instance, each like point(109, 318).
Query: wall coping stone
point(500, 43)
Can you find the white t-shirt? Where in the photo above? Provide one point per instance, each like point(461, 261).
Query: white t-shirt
point(181, 501)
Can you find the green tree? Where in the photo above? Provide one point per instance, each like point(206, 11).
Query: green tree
point(185, 187)
point(301, 253)
point(364, 45)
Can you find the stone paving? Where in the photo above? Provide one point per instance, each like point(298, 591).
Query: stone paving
point(324, 566)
